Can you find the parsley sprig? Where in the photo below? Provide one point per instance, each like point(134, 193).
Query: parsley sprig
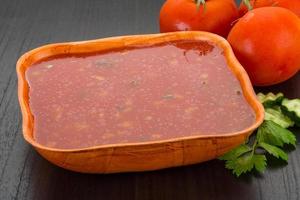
point(270, 138)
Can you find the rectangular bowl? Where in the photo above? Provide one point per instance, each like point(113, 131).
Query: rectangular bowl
point(142, 156)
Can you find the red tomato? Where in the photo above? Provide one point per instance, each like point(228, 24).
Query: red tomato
point(182, 15)
point(292, 5)
point(266, 41)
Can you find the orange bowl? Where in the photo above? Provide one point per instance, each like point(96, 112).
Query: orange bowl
point(142, 156)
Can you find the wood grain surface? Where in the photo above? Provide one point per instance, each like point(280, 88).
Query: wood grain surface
point(26, 24)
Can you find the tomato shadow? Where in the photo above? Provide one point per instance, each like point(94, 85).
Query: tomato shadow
point(288, 88)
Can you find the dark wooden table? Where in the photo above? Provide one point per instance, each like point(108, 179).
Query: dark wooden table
point(26, 175)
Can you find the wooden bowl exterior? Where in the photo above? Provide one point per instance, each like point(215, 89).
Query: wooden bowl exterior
point(143, 157)
point(136, 156)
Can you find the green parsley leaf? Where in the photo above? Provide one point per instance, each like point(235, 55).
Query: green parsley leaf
point(246, 163)
point(274, 151)
point(273, 134)
point(275, 115)
point(236, 152)
point(260, 162)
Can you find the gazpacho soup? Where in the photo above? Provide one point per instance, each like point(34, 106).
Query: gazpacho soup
point(137, 94)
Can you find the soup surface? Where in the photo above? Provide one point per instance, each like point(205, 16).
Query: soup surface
point(149, 93)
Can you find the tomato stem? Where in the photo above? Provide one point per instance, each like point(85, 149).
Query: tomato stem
point(198, 4)
point(248, 4)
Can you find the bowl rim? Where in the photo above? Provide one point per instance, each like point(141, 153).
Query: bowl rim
point(219, 41)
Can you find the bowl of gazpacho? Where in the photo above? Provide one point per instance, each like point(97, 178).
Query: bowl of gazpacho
point(135, 103)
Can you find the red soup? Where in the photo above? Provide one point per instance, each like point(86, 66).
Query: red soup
point(139, 94)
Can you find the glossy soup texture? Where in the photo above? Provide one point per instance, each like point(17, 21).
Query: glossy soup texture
point(140, 94)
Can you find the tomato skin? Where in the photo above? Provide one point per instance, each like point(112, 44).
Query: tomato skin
point(266, 41)
point(292, 5)
point(182, 15)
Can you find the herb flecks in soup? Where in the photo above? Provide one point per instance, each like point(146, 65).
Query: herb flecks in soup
point(134, 95)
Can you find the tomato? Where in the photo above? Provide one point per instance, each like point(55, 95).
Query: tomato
point(266, 41)
point(292, 5)
point(182, 15)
